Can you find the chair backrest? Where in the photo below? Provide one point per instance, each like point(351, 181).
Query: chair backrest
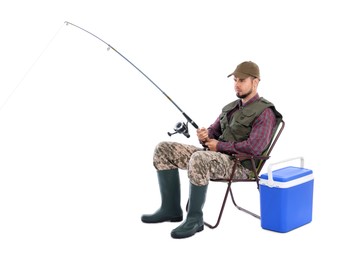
point(280, 125)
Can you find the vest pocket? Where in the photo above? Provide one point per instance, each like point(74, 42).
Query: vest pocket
point(245, 118)
point(241, 123)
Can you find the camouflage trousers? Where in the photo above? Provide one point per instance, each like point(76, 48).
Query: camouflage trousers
point(201, 165)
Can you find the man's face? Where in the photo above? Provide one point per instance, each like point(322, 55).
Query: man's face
point(244, 87)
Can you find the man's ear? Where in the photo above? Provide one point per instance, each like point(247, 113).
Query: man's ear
point(256, 82)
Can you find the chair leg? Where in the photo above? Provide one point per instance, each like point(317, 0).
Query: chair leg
point(222, 208)
point(242, 209)
point(228, 190)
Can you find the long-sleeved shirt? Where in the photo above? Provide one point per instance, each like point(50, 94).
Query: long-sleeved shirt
point(259, 137)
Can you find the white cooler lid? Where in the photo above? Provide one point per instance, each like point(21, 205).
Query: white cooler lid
point(287, 177)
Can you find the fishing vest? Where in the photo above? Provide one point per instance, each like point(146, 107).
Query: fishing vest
point(238, 128)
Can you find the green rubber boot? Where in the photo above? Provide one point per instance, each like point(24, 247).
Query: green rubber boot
point(194, 221)
point(170, 209)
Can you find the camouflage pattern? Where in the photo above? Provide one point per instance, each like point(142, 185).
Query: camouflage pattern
point(201, 165)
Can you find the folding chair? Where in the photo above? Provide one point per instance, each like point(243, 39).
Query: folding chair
point(257, 163)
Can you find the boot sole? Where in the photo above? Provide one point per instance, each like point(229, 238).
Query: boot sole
point(175, 219)
point(199, 229)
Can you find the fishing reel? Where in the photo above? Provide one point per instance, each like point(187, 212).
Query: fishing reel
point(181, 128)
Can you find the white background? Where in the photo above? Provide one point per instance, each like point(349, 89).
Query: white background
point(78, 124)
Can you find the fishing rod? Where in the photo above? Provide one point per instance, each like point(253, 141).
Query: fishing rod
point(180, 127)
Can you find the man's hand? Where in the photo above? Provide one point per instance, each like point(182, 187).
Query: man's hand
point(211, 144)
point(203, 137)
point(202, 134)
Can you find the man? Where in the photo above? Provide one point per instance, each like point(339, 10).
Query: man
point(244, 125)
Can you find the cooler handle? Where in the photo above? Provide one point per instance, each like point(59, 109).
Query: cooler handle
point(270, 181)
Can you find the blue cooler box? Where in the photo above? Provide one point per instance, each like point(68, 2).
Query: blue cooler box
point(286, 197)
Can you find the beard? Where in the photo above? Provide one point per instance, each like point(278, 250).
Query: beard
point(243, 96)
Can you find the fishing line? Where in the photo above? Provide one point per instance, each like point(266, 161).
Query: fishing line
point(180, 127)
point(31, 67)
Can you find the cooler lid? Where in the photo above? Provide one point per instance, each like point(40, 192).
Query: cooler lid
point(287, 174)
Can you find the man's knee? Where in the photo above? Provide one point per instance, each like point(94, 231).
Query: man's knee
point(198, 168)
point(161, 147)
point(198, 158)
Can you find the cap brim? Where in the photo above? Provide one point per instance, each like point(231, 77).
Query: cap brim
point(239, 75)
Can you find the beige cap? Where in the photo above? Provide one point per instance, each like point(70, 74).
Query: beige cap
point(246, 69)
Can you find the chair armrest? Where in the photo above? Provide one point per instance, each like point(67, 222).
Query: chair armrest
point(245, 156)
